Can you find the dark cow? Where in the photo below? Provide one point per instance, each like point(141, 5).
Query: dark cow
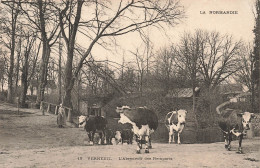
point(144, 122)
point(234, 122)
point(93, 124)
point(125, 135)
point(109, 134)
point(175, 122)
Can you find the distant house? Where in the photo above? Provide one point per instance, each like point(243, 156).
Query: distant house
point(182, 98)
point(183, 93)
point(242, 97)
point(228, 91)
point(93, 105)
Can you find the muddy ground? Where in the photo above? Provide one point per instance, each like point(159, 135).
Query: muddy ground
point(30, 139)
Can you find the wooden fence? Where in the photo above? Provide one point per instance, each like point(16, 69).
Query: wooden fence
point(49, 109)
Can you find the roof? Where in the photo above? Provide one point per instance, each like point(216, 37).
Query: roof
point(181, 92)
point(230, 88)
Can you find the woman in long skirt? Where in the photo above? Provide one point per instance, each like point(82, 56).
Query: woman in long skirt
point(61, 118)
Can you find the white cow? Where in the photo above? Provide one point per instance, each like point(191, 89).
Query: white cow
point(175, 122)
point(144, 122)
point(234, 122)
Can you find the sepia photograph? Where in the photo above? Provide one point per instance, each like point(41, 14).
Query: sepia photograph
point(129, 83)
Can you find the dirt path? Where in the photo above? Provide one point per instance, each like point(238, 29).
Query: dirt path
point(33, 140)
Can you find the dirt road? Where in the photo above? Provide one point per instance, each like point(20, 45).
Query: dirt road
point(33, 140)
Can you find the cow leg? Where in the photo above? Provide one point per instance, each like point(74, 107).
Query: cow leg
point(229, 141)
point(139, 144)
point(131, 139)
point(104, 137)
point(100, 138)
point(226, 140)
point(171, 137)
point(150, 142)
point(240, 144)
point(90, 138)
point(139, 141)
point(179, 138)
point(146, 144)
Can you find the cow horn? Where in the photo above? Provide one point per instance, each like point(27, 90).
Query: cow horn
point(240, 114)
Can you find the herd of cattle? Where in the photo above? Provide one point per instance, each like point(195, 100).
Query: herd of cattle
point(144, 122)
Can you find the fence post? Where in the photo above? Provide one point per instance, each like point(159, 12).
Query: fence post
point(48, 109)
point(69, 119)
point(42, 108)
point(41, 105)
point(18, 105)
point(56, 110)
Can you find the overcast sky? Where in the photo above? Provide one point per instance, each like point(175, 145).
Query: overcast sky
point(240, 25)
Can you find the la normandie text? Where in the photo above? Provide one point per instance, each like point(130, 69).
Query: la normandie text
point(220, 12)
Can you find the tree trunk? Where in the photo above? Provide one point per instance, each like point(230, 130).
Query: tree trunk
point(11, 68)
point(59, 77)
point(24, 86)
point(256, 70)
point(45, 55)
point(78, 93)
point(43, 72)
point(18, 66)
point(24, 81)
point(69, 79)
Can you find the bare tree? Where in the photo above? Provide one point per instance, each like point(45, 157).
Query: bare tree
point(244, 74)
point(42, 16)
point(187, 58)
point(59, 69)
point(10, 30)
point(165, 66)
point(2, 70)
point(141, 65)
point(18, 59)
point(219, 57)
point(30, 39)
point(104, 23)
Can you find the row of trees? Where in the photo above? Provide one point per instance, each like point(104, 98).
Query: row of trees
point(33, 31)
point(100, 24)
point(201, 59)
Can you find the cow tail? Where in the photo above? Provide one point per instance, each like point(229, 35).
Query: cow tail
point(168, 125)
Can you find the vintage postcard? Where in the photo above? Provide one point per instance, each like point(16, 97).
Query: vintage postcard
point(129, 83)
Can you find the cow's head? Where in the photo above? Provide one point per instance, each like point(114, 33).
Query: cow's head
point(181, 116)
point(82, 121)
point(123, 118)
point(121, 109)
point(246, 119)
